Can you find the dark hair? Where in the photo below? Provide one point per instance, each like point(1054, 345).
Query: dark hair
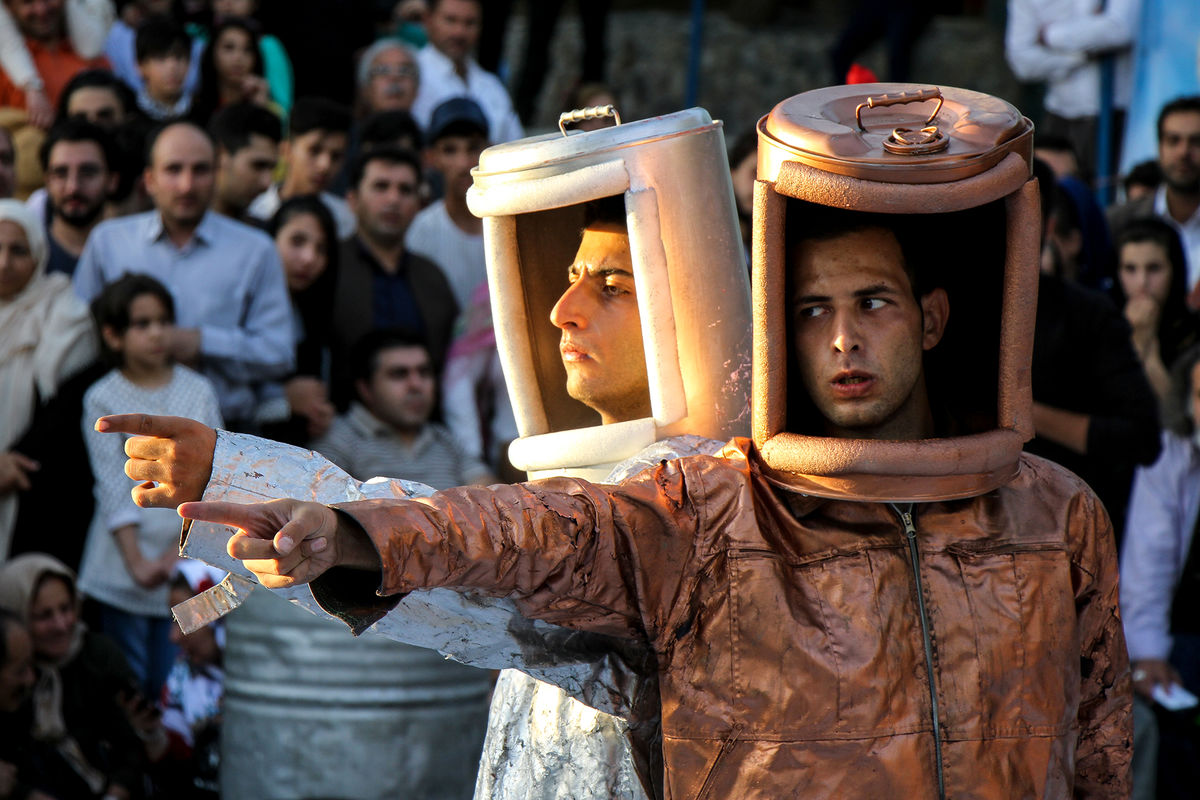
point(364, 355)
point(232, 126)
point(97, 79)
point(161, 36)
point(1147, 173)
point(388, 155)
point(208, 98)
point(388, 127)
point(158, 130)
point(111, 307)
point(1177, 407)
point(80, 130)
point(609, 210)
point(1189, 104)
point(1177, 326)
point(318, 114)
point(314, 305)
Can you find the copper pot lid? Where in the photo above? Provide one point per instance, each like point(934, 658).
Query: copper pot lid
point(893, 132)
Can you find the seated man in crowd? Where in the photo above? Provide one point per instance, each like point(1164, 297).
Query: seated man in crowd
point(312, 155)
point(387, 430)
point(234, 320)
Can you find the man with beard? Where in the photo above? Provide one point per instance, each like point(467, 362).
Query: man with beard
point(446, 232)
point(78, 159)
point(1177, 200)
point(234, 316)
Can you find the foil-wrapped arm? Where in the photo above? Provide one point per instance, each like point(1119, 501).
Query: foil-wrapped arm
point(481, 631)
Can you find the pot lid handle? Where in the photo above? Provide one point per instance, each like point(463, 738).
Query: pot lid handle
point(919, 96)
point(592, 112)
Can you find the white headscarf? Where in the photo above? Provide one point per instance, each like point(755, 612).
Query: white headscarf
point(46, 335)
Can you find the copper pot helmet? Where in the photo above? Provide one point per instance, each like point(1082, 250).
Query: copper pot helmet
point(692, 284)
point(931, 155)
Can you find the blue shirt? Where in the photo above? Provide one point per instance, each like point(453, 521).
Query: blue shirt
point(227, 281)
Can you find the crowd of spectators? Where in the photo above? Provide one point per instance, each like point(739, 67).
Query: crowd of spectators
point(222, 216)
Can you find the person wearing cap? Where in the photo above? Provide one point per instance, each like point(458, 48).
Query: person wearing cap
point(446, 232)
point(448, 69)
point(878, 594)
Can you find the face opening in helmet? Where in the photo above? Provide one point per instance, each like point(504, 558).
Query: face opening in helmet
point(893, 322)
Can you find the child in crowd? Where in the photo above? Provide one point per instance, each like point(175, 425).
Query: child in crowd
point(130, 551)
point(191, 697)
point(163, 60)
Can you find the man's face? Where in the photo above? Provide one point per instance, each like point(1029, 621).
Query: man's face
point(453, 28)
point(313, 160)
point(16, 673)
point(41, 20)
point(97, 105)
point(401, 389)
point(385, 200)
point(454, 157)
point(8, 168)
point(601, 343)
point(244, 175)
point(78, 182)
point(391, 82)
point(859, 335)
point(164, 75)
point(179, 177)
point(1179, 151)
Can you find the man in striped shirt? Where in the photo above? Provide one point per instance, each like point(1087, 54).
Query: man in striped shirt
point(386, 430)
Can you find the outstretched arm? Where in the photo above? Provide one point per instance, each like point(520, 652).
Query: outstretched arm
point(289, 542)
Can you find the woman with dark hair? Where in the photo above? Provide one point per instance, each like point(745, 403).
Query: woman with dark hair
point(306, 238)
point(231, 69)
point(1151, 288)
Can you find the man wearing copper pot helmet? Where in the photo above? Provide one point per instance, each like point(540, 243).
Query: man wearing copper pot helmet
point(877, 595)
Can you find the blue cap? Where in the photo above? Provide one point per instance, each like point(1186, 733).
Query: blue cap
point(456, 111)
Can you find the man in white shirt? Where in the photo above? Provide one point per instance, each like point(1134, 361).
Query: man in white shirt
point(446, 232)
point(1062, 43)
point(448, 70)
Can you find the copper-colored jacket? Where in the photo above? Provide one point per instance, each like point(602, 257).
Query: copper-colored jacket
point(789, 629)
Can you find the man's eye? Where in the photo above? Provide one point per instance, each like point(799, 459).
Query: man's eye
point(809, 312)
point(873, 303)
point(614, 290)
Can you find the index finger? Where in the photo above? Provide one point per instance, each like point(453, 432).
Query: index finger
point(239, 515)
point(143, 424)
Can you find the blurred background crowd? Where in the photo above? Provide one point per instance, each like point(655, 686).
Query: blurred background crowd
point(254, 214)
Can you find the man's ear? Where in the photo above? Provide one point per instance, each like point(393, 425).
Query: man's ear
point(352, 200)
point(363, 390)
point(935, 311)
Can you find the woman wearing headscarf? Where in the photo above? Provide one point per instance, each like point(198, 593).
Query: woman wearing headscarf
point(82, 697)
point(46, 335)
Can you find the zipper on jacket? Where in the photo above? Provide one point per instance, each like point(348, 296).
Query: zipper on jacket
point(910, 532)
